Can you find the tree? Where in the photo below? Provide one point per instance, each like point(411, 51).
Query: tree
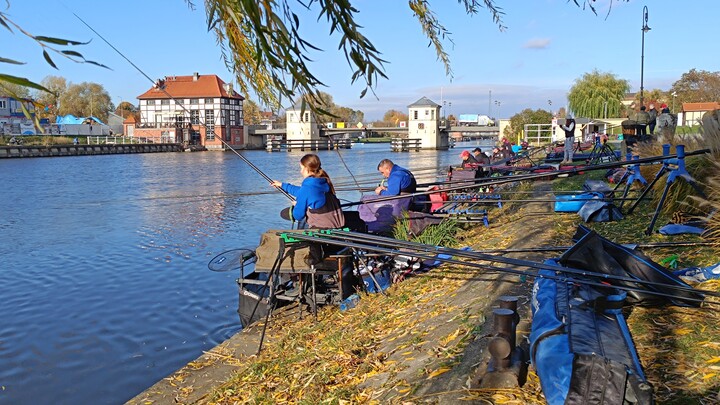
point(251, 112)
point(392, 118)
point(261, 42)
point(126, 109)
point(48, 101)
point(697, 86)
point(595, 93)
point(527, 116)
point(85, 99)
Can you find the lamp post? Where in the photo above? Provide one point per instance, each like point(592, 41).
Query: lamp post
point(645, 29)
point(497, 103)
point(674, 94)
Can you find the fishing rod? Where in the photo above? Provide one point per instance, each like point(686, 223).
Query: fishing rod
point(658, 245)
point(162, 88)
point(395, 243)
point(514, 178)
point(502, 270)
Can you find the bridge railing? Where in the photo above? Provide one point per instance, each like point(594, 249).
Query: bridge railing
point(405, 144)
point(126, 140)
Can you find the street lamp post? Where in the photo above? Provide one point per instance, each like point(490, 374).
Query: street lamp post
point(674, 94)
point(645, 29)
point(497, 103)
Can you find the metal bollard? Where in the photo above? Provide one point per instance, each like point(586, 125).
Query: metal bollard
point(503, 342)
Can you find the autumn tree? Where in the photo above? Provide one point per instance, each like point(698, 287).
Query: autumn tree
point(654, 96)
point(251, 112)
point(392, 118)
point(697, 86)
point(48, 101)
point(527, 116)
point(596, 93)
point(85, 99)
point(126, 109)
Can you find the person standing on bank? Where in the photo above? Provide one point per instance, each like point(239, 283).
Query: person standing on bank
point(643, 119)
point(315, 200)
point(653, 113)
point(569, 129)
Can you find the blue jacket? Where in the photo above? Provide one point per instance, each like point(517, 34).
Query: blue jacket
point(311, 194)
point(399, 181)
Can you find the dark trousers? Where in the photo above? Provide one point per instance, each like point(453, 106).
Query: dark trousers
point(641, 131)
point(652, 127)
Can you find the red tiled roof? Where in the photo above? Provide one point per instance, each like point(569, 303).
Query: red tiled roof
point(130, 119)
point(188, 87)
point(713, 105)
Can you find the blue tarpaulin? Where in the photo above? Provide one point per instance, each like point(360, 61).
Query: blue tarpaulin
point(71, 119)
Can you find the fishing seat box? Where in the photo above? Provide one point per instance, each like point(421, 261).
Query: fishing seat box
point(297, 257)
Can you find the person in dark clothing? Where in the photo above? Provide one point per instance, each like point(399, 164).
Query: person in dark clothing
point(315, 200)
point(481, 157)
point(468, 160)
point(643, 119)
point(399, 179)
point(569, 129)
point(653, 113)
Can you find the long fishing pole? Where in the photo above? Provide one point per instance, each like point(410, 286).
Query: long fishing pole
point(395, 243)
point(502, 270)
point(162, 88)
point(658, 245)
point(510, 179)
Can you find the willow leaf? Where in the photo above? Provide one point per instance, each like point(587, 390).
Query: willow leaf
point(48, 59)
point(14, 62)
point(58, 41)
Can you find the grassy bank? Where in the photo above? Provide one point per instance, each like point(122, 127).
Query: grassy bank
point(419, 343)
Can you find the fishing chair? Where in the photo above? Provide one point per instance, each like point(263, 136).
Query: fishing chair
point(296, 271)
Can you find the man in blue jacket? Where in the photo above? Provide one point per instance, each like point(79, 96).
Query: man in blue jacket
point(399, 179)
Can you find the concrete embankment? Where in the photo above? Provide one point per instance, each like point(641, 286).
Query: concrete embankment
point(80, 150)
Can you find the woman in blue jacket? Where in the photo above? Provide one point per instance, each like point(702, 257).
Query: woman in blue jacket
point(315, 200)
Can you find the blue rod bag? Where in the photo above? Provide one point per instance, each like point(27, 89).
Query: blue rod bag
point(581, 347)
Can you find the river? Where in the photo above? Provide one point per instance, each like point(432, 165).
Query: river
point(105, 286)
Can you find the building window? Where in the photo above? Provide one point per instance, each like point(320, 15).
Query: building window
point(233, 117)
point(164, 102)
point(151, 102)
point(3, 104)
point(195, 117)
point(210, 125)
point(432, 114)
point(421, 125)
point(179, 101)
point(306, 117)
point(415, 114)
point(194, 101)
point(208, 101)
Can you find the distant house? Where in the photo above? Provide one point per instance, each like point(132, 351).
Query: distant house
point(198, 110)
point(692, 113)
point(12, 118)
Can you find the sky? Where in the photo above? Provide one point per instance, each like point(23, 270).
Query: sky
point(547, 45)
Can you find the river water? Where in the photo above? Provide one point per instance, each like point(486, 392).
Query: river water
point(105, 287)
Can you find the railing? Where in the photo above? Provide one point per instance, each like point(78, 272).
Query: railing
point(307, 144)
point(405, 144)
point(538, 134)
point(124, 140)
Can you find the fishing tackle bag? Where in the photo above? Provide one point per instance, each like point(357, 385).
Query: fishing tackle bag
point(581, 347)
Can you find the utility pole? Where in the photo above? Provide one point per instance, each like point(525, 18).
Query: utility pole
point(489, 103)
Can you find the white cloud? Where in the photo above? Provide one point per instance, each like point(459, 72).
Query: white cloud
point(537, 43)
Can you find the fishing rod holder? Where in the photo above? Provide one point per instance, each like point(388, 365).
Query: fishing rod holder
point(506, 367)
point(674, 168)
